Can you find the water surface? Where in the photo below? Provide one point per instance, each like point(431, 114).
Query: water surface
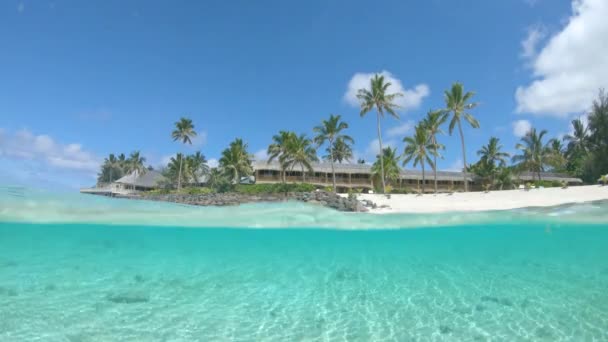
point(529, 277)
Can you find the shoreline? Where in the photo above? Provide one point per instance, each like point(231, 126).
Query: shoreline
point(495, 200)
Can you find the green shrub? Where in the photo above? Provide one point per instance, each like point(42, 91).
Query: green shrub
point(401, 191)
point(548, 184)
point(254, 189)
point(158, 192)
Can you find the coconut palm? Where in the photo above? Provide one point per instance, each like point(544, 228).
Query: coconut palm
point(340, 151)
point(112, 169)
point(236, 161)
point(457, 103)
point(579, 139)
point(491, 153)
point(534, 154)
point(197, 166)
point(184, 132)
point(419, 148)
point(433, 122)
point(330, 131)
point(135, 164)
point(556, 155)
point(492, 157)
point(175, 171)
point(504, 179)
point(376, 97)
point(278, 148)
point(300, 151)
point(386, 165)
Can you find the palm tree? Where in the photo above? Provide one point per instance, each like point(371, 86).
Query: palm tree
point(236, 161)
point(578, 141)
point(197, 165)
point(386, 165)
point(135, 164)
point(184, 132)
point(330, 131)
point(122, 163)
point(112, 163)
point(300, 151)
point(534, 153)
point(377, 98)
point(457, 103)
point(556, 155)
point(504, 179)
point(433, 122)
point(175, 171)
point(340, 151)
point(278, 148)
point(491, 155)
point(419, 148)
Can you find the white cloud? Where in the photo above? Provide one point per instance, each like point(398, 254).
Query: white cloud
point(23, 145)
point(521, 128)
point(411, 98)
point(199, 140)
point(531, 3)
point(456, 166)
point(401, 130)
point(260, 155)
point(572, 66)
point(165, 160)
point(529, 45)
point(372, 149)
point(213, 162)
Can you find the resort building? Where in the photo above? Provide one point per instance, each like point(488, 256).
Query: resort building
point(359, 176)
point(129, 184)
point(348, 176)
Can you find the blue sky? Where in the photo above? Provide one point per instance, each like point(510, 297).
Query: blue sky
point(81, 79)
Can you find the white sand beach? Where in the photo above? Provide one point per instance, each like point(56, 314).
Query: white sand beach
point(480, 201)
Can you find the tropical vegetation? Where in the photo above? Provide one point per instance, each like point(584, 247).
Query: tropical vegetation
point(330, 131)
point(377, 97)
point(581, 153)
point(184, 132)
point(419, 148)
point(458, 104)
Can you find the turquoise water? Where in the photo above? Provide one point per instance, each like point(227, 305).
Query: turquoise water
point(534, 277)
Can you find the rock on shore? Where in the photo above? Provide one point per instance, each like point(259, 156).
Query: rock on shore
point(327, 199)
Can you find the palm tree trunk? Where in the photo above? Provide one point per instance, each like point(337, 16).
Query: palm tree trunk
point(303, 175)
point(331, 156)
point(464, 159)
point(435, 163)
point(179, 175)
point(423, 178)
point(110, 176)
point(381, 154)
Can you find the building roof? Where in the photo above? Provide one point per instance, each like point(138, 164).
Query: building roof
point(149, 179)
point(365, 169)
point(410, 173)
point(548, 176)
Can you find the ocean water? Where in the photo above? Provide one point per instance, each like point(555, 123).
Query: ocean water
point(114, 270)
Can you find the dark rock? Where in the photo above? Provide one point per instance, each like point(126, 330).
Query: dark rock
point(7, 291)
point(489, 299)
point(327, 199)
point(444, 329)
point(127, 298)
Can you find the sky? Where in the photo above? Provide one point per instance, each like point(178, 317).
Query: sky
point(82, 79)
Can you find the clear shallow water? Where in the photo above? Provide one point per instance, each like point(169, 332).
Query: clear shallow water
point(531, 278)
